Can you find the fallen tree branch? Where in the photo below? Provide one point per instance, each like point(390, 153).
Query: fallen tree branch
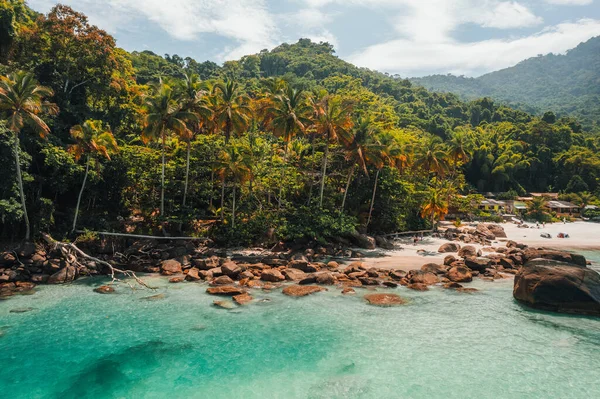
point(74, 251)
point(106, 233)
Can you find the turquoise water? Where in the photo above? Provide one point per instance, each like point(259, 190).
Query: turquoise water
point(443, 344)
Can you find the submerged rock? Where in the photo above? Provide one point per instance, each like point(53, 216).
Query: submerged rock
point(229, 290)
point(242, 299)
point(154, 297)
point(384, 299)
point(559, 287)
point(104, 289)
point(302, 290)
point(224, 304)
point(22, 310)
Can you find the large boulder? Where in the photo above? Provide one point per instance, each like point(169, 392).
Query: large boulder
point(231, 269)
point(325, 278)
point(64, 275)
point(468, 251)
point(421, 277)
point(484, 232)
point(302, 264)
point(449, 247)
point(384, 243)
point(434, 268)
point(479, 264)
point(363, 241)
point(459, 274)
point(560, 256)
point(222, 280)
point(559, 287)
point(169, 267)
point(496, 230)
point(292, 274)
point(272, 275)
point(384, 300)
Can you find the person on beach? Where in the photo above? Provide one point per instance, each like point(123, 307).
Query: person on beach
point(415, 239)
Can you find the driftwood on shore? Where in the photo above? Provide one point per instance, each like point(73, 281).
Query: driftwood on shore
point(141, 236)
point(70, 249)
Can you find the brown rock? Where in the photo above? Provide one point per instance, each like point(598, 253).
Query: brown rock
point(420, 277)
point(222, 280)
point(254, 284)
point(418, 287)
point(224, 304)
point(467, 290)
point(293, 274)
point(450, 259)
point(348, 291)
point(468, 251)
point(449, 247)
point(459, 274)
point(390, 284)
point(325, 278)
point(242, 299)
point(397, 274)
point(302, 290)
point(228, 290)
point(479, 264)
point(64, 275)
point(104, 289)
point(452, 285)
point(231, 269)
point(368, 281)
point(177, 279)
point(434, 268)
point(272, 275)
point(333, 265)
point(192, 274)
point(384, 300)
point(302, 265)
point(496, 230)
point(169, 267)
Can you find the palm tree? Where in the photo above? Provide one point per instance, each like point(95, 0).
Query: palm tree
point(195, 101)
point(22, 101)
point(236, 164)
point(435, 206)
point(233, 111)
point(584, 199)
point(92, 138)
point(332, 118)
point(165, 114)
point(361, 149)
point(289, 116)
point(433, 158)
point(536, 208)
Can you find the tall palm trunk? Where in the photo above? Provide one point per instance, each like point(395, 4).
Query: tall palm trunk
point(162, 179)
point(187, 171)
point(21, 191)
point(347, 187)
point(233, 208)
point(212, 187)
point(310, 192)
point(87, 170)
point(222, 199)
point(373, 197)
point(285, 156)
point(323, 173)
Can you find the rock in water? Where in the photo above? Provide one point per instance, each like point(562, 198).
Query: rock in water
point(104, 289)
point(64, 275)
point(156, 297)
point(302, 290)
point(21, 310)
point(384, 299)
point(459, 274)
point(229, 290)
point(272, 275)
point(242, 299)
point(224, 304)
point(558, 287)
point(169, 267)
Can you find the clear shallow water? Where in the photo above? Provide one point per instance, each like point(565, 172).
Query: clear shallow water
point(79, 344)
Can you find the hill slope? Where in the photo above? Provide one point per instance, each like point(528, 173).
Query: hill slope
point(565, 84)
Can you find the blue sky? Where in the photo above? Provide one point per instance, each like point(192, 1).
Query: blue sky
point(407, 37)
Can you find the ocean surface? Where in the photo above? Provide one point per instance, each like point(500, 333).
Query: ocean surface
point(442, 344)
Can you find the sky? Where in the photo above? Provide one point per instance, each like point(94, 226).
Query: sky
point(406, 37)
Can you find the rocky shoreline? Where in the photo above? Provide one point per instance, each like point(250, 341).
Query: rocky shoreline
point(309, 271)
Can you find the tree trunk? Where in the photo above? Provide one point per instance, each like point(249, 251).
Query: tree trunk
point(87, 170)
point(212, 187)
point(233, 208)
point(21, 191)
point(347, 187)
point(162, 179)
point(222, 199)
point(187, 172)
point(285, 155)
point(373, 197)
point(323, 173)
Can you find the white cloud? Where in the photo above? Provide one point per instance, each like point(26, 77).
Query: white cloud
point(506, 15)
point(412, 58)
point(247, 22)
point(570, 2)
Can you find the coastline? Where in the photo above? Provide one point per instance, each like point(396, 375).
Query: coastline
point(583, 236)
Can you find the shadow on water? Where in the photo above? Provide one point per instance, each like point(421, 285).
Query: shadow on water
point(561, 322)
point(115, 374)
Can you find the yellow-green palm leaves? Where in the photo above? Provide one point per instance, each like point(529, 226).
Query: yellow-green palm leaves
point(232, 111)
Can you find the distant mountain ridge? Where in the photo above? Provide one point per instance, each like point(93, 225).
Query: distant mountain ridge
point(565, 84)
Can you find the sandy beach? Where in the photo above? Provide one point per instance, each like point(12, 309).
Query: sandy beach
point(583, 236)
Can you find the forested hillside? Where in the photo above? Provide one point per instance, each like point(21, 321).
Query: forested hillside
point(285, 144)
point(565, 84)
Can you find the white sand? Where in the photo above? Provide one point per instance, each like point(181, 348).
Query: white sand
point(583, 235)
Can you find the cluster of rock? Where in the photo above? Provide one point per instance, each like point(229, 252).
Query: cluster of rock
point(482, 234)
point(28, 265)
